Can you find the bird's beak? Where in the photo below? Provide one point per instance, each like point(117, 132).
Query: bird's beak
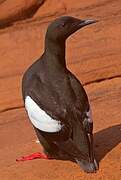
point(86, 22)
point(78, 24)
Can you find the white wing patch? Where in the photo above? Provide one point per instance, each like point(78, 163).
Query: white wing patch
point(89, 116)
point(39, 118)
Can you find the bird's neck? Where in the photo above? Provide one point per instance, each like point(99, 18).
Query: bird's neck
point(55, 54)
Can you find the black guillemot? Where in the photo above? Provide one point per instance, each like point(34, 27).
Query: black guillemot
point(56, 102)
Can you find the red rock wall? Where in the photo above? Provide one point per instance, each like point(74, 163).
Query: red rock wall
point(93, 54)
point(14, 10)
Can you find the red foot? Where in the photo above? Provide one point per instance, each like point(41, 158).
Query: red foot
point(33, 156)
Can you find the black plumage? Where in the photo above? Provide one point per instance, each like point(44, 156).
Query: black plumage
point(60, 94)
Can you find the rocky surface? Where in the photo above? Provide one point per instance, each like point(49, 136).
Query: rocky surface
point(93, 54)
point(14, 10)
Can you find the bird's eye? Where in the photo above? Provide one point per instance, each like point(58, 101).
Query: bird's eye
point(62, 24)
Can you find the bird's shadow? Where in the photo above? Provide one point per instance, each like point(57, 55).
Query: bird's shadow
point(105, 140)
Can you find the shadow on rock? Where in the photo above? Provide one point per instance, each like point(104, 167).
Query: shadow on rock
point(106, 140)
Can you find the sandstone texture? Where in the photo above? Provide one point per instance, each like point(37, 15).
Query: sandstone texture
point(93, 55)
point(13, 10)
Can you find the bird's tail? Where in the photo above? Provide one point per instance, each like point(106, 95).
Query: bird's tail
point(78, 147)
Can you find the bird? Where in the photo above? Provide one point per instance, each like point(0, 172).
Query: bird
point(56, 102)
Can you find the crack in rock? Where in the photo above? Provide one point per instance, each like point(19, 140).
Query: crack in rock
point(21, 14)
point(11, 108)
point(101, 80)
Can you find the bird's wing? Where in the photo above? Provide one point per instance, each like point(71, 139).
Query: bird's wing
point(44, 111)
point(79, 92)
point(84, 131)
point(82, 105)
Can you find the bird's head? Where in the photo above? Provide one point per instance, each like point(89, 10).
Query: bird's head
point(61, 28)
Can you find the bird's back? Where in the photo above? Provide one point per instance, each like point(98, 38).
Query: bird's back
point(58, 96)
